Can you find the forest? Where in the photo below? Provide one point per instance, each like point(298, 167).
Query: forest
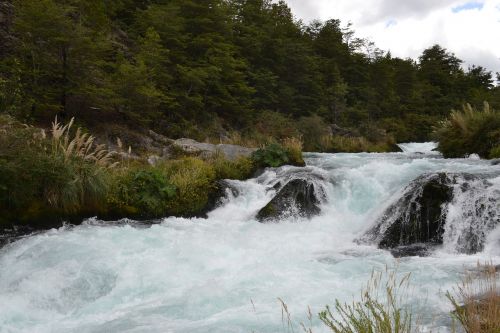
point(219, 69)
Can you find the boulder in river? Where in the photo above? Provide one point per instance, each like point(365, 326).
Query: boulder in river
point(419, 216)
point(222, 191)
point(420, 219)
point(297, 198)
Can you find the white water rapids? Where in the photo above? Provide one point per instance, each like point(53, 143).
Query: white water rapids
point(225, 273)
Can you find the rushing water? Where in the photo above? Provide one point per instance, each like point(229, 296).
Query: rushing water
point(225, 273)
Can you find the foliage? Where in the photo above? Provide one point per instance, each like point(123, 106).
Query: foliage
point(476, 301)
point(335, 143)
point(273, 155)
point(495, 152)
point(293, 147)
point(174, 66)
point(194, 180)
point(36, 171)
point(371, 314)
point(313, 129)
point(469, 132)
point(142, 192)
point(240, 169)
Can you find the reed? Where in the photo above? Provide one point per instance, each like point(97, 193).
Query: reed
point(476, 300)
point(470, 131)
point(371, 314)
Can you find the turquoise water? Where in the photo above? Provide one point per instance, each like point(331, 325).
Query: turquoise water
point(226, 273)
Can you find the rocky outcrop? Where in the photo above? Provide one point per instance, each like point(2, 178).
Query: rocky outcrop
point(419, 216)
point(157, 147)
point(231, 152)
point(416, 222)
point(297, 198)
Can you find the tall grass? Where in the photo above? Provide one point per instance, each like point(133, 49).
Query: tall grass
point(380, 309)
point(80, 145)
point(293, 146)
point(63, 173)
point(344, 144)
point(470, 131)
point(476, 301)
point(194, 180)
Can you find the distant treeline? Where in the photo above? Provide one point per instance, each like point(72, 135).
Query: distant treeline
point(201, 68)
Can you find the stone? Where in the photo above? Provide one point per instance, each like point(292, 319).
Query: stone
point(297, 198)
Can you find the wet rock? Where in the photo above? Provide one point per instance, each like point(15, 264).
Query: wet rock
point(419, 216)
point(297, 198)
point(223, 190)
point(424, 216)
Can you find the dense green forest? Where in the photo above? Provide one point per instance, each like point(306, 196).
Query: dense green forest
point(209, 68)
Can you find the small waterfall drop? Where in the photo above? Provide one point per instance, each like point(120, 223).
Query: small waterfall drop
point(472, 215)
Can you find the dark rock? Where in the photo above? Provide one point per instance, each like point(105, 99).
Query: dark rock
point(418, 216)
point(218, 196)
point(424, 217)
point(395, 148)
point(297, 198)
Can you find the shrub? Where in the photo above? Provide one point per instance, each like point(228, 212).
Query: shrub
point(273, 155)
point(64, 173)
point(194, 180)
point(469, 132)
point(477, 301)
point(240, 169)
point(358, 144)
point(143, 191)
point(293, 146)
point(370, 314)
point(495, 152)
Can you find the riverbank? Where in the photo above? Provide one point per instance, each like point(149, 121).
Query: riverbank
point(63, 175)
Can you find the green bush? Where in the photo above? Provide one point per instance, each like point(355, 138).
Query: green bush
point(194, 180)
point(273, 155)
point(240, 169)
point(143, 192)
point(495, 152)
point(469, 132)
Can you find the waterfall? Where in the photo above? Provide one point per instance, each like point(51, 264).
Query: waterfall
point(472, 215)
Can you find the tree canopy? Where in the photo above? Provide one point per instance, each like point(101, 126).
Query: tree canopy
point(179, 66)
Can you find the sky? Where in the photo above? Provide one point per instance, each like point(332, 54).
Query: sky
point(468, 28)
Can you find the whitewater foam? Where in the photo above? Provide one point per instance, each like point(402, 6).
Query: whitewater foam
point(225, 273)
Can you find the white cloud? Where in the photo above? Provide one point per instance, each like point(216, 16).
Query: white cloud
point(407, 27)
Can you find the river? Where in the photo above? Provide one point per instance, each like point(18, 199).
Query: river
point(225, 273)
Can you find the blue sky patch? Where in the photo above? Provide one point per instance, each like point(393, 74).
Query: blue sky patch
point(468, 6)
point(390, 23)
